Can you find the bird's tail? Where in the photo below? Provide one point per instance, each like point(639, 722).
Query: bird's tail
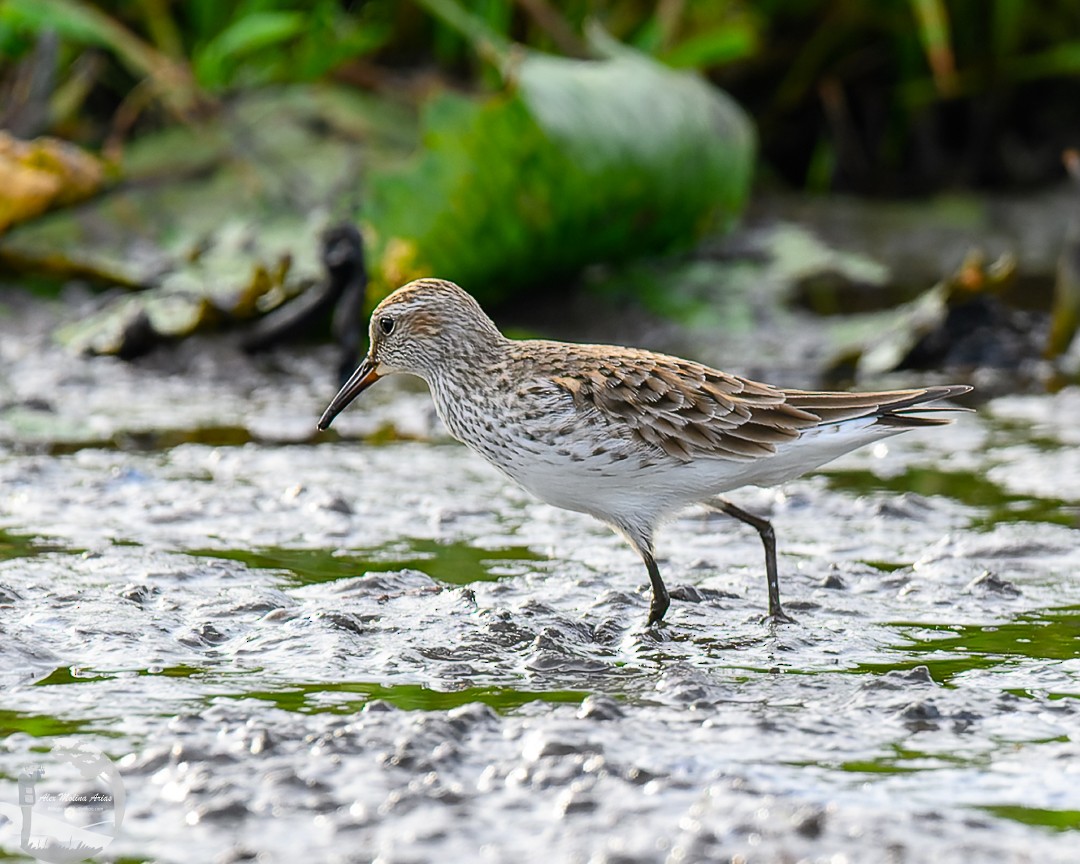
point(900, 409)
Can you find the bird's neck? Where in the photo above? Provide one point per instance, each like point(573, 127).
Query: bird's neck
point(468, 357)
point(460, 382)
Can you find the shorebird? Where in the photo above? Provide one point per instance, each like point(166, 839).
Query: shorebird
point(628, 436)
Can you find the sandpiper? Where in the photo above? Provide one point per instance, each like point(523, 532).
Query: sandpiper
point(626, 435)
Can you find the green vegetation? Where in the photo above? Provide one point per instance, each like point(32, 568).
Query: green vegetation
point(1058, 820)
point(969, 487)
point(348, 697)
point(867, 96)
point(950, 650)
point(451, 563)
point(578, 163)
point(21, 546)
point(38, 725)
point(587, 134)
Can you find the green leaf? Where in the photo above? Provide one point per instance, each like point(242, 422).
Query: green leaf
point(244, 37)
point(257, 31)
point(725, 44)
point(1060, 60)
point(69, 20)
point(932, 20)
point(582, 162)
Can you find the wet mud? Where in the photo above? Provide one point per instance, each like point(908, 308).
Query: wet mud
point(367, 644)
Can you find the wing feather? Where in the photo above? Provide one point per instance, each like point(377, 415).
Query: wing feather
point(688, 410)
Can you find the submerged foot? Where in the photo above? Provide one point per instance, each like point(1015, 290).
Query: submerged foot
point(657, 609)
point(778, 616)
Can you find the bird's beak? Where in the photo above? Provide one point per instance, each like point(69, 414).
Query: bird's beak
point(365, 375)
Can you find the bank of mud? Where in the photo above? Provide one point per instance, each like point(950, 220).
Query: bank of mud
point(368, 644)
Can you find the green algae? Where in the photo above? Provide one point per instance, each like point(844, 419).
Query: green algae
point(347, 697)
point(949, 650)
point(454, 563)
point(39, 725)
point(1058, 820)
point(965, 487)
point(14, 545)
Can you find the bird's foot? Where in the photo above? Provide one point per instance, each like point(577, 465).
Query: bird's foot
point(778, 616)
point(658, 608)
point(656, 614)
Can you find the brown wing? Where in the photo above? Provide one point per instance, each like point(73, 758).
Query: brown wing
point(689, 410)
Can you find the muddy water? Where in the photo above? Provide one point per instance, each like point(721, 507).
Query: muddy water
point(369, 645)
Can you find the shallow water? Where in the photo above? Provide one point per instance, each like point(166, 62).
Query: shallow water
point(367, 644)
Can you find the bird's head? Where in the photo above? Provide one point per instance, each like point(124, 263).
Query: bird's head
point(422, 329)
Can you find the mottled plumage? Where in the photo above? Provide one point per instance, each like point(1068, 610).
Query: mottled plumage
point(627, 435)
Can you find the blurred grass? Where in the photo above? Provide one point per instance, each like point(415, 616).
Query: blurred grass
point(848, 94)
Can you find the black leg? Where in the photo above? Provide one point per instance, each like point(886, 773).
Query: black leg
point(660, 599)
point(768, 540)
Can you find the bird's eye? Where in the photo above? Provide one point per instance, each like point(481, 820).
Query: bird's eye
point(386, 325)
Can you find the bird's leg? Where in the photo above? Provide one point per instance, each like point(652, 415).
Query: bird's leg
point(660, 599)
point(768, 540)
